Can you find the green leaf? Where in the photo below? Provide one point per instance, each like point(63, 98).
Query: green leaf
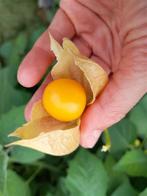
point(35, 35)
point(3, 171)
point(122, 135)
point(12, 52)
point(49, 194)
point(16, 185)
point(61, 189)
point(25, 155)
point(86, 175)
point(5, 50)
point(133, 163)
point(138, 117)
point(22, 13)
point(115, 177)
point(9, 122)
point(19, 47)
point(9, 96)
point(125, 189)
point(144, 193)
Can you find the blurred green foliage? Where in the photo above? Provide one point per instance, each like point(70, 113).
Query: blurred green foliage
point(121, 171)
point(14, 15)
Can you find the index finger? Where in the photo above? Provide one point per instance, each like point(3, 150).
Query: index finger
point(36, 62)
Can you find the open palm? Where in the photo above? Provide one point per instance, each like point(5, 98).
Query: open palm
point(112, 33)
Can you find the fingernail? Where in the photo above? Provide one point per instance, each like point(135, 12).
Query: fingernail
point(88, 140)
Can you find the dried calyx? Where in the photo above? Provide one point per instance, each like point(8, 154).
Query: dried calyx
point(43, 132)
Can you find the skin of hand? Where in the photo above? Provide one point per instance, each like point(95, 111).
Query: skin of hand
point(112, 33)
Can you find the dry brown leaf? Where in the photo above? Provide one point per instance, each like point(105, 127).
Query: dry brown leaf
point(43, 132)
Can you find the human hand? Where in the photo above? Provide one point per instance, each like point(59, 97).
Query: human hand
point(112, 33)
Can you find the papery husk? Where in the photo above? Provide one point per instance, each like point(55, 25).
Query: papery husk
point(38, 111)
point(43, 132)
point(57, 142)
point(48, 135)
point(75, 66)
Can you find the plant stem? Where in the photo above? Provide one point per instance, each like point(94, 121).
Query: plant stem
point(107, 137)
point(31, 178)
point(39, 164)
point(45, 166)
point(107, 145)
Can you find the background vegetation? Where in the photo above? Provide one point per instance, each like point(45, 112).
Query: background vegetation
point(121, 171)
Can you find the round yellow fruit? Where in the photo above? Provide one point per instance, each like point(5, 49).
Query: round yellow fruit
point(64, 99)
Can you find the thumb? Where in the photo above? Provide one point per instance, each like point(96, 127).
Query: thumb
point(123, 91)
